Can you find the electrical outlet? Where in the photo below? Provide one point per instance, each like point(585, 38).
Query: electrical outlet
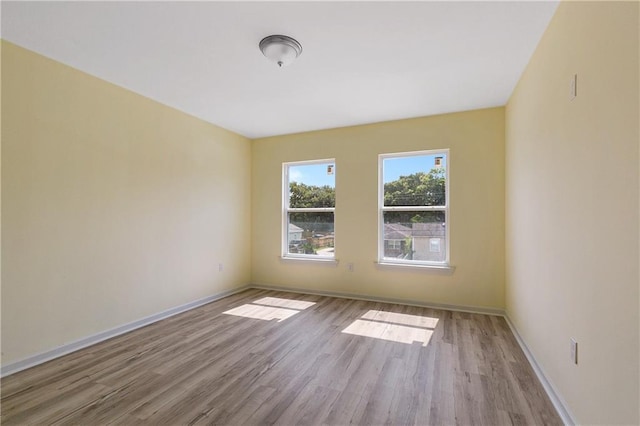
point(574, 351)
point(220, 268)
point(350, 267)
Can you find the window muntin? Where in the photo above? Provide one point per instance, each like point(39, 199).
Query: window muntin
point(414, 208)
point(309, 209)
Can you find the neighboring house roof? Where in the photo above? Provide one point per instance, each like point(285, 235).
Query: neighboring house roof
point(433, 229)
point(294, 228)
point(396, 231)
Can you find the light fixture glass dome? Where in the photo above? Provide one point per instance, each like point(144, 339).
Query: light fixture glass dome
point(280, 49)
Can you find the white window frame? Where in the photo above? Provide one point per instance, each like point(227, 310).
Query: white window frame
point(286, 209)
point(382, 208)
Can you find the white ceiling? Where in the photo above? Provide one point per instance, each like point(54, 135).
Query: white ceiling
point(362, 62)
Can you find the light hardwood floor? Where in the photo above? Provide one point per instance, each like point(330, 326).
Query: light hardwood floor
point(264, 357)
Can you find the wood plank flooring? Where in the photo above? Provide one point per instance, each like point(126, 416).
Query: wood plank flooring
point(267, 357)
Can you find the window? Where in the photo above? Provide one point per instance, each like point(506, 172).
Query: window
point(434, 245)
point(395, 244)
point(414, 208)
point(309, 199)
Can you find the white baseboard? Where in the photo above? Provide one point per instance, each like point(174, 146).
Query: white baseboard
point(458, 308)
point(556, 399)
point(43, 357)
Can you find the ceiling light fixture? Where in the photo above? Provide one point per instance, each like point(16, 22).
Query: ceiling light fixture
point(280, 49)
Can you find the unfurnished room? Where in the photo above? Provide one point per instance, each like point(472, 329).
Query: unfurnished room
point(320, 212)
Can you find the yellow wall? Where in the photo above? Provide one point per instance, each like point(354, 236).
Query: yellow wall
point(476, 141)
point(572, 208)
point(114, 207)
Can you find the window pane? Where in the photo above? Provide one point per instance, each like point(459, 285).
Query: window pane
point(415, 236)
point(415, 181)
point(311, 233)
point(312, 185)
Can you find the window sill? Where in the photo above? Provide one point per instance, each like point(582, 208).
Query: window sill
point(437, 269)
point(308, 259)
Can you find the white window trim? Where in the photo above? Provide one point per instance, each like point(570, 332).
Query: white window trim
point(285, 255)
point(415, 266)
point(384, 261)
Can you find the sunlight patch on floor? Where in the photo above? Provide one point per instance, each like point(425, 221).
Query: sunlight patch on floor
point(404, 319)
point(284, 303)
point(394, 327)
point(270, 308)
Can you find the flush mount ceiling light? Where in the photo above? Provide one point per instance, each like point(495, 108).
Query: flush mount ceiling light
point(280, 49)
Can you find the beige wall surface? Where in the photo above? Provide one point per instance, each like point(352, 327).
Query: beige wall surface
point(476, 159)
point(114, 207)
point(572, 209)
